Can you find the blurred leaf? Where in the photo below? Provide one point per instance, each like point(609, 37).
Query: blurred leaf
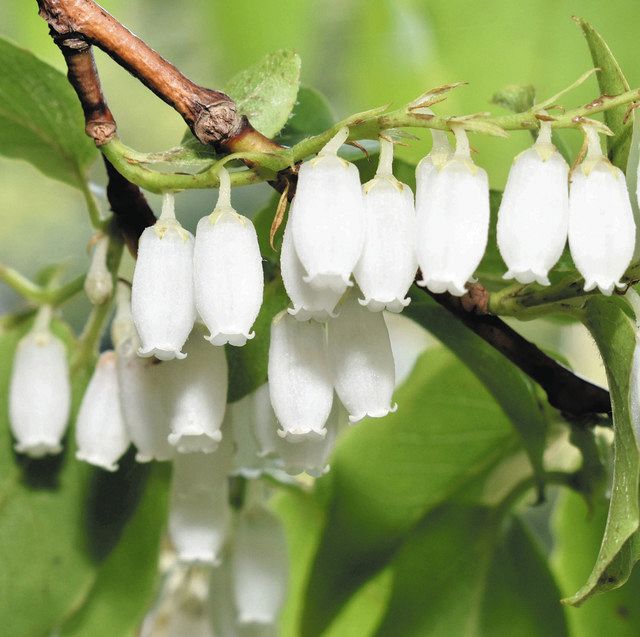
point(125, 581)
point(615, 337)
point(248, 364)
point(515, 97)
point(578, 532)
point(311, 115)
point(612, 82)
point(386, 475)
point(462, 573)
point(67, 533)
point(266, 92)
point(513, 391)
point(40, 117)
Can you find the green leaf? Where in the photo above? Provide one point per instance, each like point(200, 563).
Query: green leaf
point(126, 580)
point(462, 573)
point(615, 337)
point(248, 364)
point(386, 475)
point(71, 543)
point(266, 92)
point(578, 532)
point(612, 82)
point(311, 115)
point(513, 391)
point(515, 97)
point(40, 117)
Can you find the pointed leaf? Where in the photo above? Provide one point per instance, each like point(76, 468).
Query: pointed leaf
point(40, 117)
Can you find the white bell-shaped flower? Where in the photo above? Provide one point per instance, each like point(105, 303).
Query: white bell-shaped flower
point(387, 266)
point(453, 224)
point(196, 395)
point(227, 270)
point(141, 381)
point(427, 170)
point(361, 361)
point(312, 456)
point(408, 342)
point(199, 510)
point(98, 284)
point(328, 224)
point(260, 565)
point(300, 383)
point(162, 293)
point(101, 434)
point(534, 214)
point(254, 428)
point(309, 302)
point(602, 231)
point(39, 390)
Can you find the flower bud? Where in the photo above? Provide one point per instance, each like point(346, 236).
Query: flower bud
point(162, 293)
point(312, 456)
point(361, 361)
point(601, 225)
point(453, 224)
point(140, 381)
point(98, 284)
point(196, 392)
point(101, 435)
point(228, 275)
point(309, 302)
point(328, 225)
point(387, 266)
point(199, 511)
point(299, 379)
point(260, 566)
point(534, 213)
point(40, 390)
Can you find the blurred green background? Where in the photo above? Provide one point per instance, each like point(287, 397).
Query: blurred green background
point(360, 53)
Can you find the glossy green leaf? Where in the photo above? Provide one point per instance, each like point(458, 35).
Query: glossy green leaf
point(513, 391)
point(248, 364)
point(578, 533)
point(612, 81)
point(311, 115)
point(40, 117)
point(266, 92)
point(387, 474)
point(68, 539)
point(125, 582)
point(615, 337)
point(462, 573)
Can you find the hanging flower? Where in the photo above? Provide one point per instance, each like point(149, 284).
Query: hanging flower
point(387, 266)
point(453, 223)
point(199, 511)
point(427, 169)
point(260, 566)
point(101, 435)
point(228, 277)
point(299, 379)
point(140, 381)
point(98, 284)
point(534, 214)
point(196, 392)
point(162, 293)
point(312, 456)
point(361, 361)
point(40, 390)
point(224, 617)
point(328, 224)
point(309, 302)
point(602, 232)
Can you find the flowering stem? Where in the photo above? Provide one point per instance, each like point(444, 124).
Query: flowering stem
point(36, 293)
point(92, 207)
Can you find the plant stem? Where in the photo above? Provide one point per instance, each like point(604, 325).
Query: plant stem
point(36, 293)
point(92, 207)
